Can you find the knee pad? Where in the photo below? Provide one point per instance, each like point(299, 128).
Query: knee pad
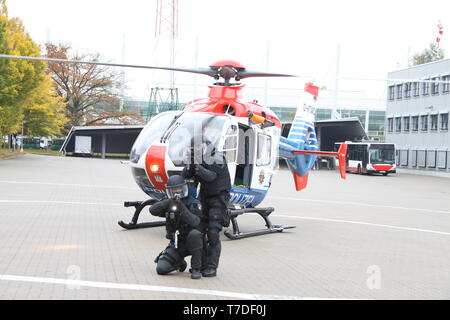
point(164, 267)
point(194, 240)
point(168, 261)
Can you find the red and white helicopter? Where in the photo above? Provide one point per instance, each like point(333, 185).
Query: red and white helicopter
point(248, 134)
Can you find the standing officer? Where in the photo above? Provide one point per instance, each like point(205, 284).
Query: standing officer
point(215, 186)
point(184, 227)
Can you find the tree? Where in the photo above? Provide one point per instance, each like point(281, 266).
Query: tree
point(44, 111)
point(91, 92)
point(433, 53)
point(17, 77)
point(27, 98)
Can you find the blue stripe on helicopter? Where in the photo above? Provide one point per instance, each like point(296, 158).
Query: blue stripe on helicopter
point(246, 197)
point(297, 136)
point(302, 120)
point(297, 123)
point(299, 130)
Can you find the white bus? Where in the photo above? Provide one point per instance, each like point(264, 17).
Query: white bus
point(370, 157)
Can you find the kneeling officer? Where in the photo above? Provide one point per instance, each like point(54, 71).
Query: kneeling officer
point(184, 227)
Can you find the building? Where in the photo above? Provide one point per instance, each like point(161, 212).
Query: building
point(417, 116)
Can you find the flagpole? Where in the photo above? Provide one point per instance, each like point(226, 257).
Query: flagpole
point(336, 82)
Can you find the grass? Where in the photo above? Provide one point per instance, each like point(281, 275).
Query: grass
point(107, 155)
point(43, 152)
point(8, 154)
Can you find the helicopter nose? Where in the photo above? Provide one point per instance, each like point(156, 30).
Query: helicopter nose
point(154, 165)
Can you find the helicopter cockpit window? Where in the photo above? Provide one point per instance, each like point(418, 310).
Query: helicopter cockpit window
point(150, 134)
point(196, 137)
point(264, 150)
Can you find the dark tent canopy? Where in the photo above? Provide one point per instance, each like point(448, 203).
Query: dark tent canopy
point(104, 140)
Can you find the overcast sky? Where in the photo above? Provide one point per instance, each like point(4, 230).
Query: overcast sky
point(302, 37)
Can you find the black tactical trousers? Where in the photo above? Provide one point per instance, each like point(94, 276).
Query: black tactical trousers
point(215, 207)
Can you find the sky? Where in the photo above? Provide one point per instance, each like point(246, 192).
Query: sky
point(287, 36)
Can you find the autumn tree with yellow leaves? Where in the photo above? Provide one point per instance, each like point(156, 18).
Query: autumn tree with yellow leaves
point(27, 96)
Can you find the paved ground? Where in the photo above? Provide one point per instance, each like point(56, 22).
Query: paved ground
point(365, 237)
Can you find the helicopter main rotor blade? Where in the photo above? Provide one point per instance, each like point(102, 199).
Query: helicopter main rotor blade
point(204, 71)
point(250, 74)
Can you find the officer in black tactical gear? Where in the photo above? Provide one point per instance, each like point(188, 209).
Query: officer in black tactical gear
point(184, 228)
point(215, 186)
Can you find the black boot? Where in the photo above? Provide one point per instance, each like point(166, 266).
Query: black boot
point(209, 272)
point(196, 274)
point(183, 266)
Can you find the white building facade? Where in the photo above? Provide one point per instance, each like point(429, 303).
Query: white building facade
point(417, 116)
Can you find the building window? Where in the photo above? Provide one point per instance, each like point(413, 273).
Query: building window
point(377, 121)
point(425, 88)
point(398, 124)
point(408, 90)
point(391, 92)
point(416, 89)
point(415, 123)
point(444, 121)
point(434, 122)
point(414, 158)
point(424, 123)
point(435, 86)
point(399, 91)
point(390, 124)
point(406, 124)
point(446, 86)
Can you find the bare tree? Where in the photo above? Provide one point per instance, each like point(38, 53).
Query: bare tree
point(91, 92)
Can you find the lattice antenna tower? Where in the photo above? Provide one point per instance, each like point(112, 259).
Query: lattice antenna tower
point(166, 29)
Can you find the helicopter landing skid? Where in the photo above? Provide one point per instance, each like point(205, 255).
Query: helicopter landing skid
point(264, 213)
point(139, 205)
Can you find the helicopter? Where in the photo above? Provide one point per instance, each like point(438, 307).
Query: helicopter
point(247, 134)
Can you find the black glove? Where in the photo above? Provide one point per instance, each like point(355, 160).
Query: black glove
point(188, 171)
point(167, 203)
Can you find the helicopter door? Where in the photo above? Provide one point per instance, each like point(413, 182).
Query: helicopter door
point(244, 166)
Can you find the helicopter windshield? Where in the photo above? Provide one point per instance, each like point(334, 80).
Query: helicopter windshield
point(203, 130)
point(151, 133)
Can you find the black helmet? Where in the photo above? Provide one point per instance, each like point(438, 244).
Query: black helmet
point(176, 187)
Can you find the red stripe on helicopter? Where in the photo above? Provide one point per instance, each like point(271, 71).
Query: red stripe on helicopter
point(154, 165)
